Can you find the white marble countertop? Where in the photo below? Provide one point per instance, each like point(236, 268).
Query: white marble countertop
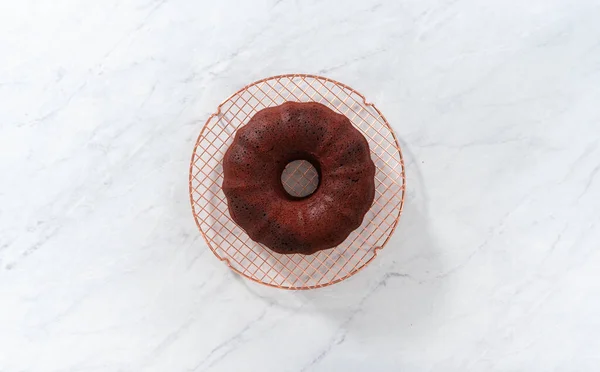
point(495, 265)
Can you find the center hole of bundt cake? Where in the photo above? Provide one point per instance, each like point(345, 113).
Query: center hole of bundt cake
point(300, 178)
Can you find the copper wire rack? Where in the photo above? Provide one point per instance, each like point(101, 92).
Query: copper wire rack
point(254, 261)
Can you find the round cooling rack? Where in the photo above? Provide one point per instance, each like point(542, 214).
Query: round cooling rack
point(253, 260)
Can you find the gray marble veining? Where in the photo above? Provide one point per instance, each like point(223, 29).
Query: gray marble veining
point(494, 266)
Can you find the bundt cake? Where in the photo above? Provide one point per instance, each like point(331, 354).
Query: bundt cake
point(260, 151)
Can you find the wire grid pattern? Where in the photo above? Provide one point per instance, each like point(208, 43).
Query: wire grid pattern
point(231, 244)
point(300, 178)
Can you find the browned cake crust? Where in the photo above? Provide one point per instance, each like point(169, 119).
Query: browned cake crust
point(254, 162)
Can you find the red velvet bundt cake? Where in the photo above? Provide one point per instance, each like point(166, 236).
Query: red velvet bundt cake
point(254, 162)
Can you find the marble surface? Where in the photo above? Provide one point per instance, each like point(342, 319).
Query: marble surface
point(495, 265)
